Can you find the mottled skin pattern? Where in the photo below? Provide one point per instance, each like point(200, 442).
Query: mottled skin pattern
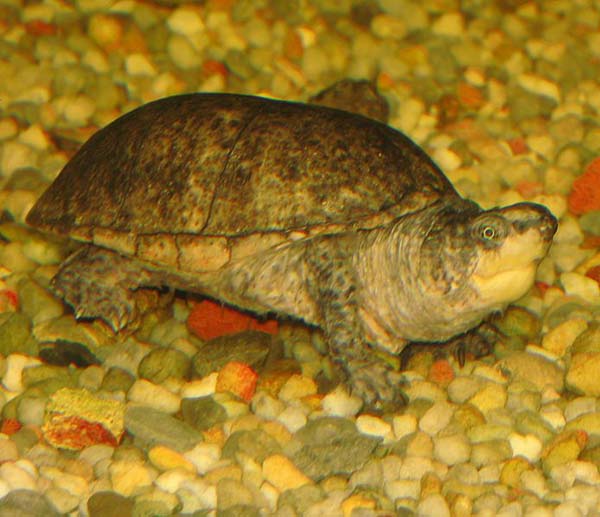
point(211, 166)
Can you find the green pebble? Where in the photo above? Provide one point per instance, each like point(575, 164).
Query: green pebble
point(37, 302)
point(164, 363)
point(117, 379)
point(255, 443)
point(203, 412)
point(248, 347)
point(25, 438)
point(590, 222)
point(518, 322)
point(109, 504)
point(588, 340)
point(15, 328)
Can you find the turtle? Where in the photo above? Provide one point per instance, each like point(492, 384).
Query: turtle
point(292, 209)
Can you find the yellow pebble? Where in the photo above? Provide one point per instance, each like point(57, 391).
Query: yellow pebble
point(356, 501)
point(283, 474)
point(164, 458)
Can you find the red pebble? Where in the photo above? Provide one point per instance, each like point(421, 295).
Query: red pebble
point(212, 67)
point(40, 28)
point(585, 194)
point(518, 145)
point(237, 378)
point(73, 432)
point(594, 273)
point(209, 319)
point(10, 426)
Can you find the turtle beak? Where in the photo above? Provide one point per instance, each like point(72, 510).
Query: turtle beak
point(527, 216)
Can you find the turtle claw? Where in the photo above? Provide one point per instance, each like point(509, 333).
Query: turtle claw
point(378, 385)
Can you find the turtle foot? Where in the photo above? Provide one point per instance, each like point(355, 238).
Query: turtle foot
point(378, 385)
point(102, 284)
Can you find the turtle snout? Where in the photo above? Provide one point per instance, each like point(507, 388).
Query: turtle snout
point(525, 216)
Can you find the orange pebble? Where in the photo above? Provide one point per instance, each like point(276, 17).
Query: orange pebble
point(237, 378)
point(585, 194)
point(441, 372)
point(529, 189)
point(470, 96)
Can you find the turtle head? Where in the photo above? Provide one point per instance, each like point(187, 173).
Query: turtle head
point(512, 241)
point(493, 253)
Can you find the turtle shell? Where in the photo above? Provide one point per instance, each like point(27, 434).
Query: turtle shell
point(210, 172)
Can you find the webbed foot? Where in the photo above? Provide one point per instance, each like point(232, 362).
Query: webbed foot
point(99, 283)
point(377, 384)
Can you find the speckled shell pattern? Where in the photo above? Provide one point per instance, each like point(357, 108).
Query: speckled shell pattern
point(204, 170)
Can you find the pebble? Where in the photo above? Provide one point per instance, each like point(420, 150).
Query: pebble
point(282, 473)
point(582, 374)
point(152, 427)
point(163, 363)
point(154, 396)
point(374, 426)
point(130, 477)
point(452, 450)
point(339, 403)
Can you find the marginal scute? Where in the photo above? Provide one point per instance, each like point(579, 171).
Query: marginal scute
point(198, 254)
point(158, 248)
point(123, 242)
point(255, 243)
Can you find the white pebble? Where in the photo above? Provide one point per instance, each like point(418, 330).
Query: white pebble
point(17, 477)
point(374, 426)
point(172, 480)
point(340, 403)
point(201, 387)
point(146, 393)
point(265, 406)
point(529, 446)
point(203, 493)
point(567, 509)
point(204, 456)
point(15, 363)
point(292, 418)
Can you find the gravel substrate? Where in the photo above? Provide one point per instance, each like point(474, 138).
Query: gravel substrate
point(504, 95)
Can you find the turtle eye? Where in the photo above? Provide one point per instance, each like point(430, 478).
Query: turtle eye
point(487, 232)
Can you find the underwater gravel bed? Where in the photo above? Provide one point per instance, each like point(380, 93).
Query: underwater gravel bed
point(169, 421)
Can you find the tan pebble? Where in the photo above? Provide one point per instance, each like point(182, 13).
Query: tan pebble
point(356, 501)
point(139, 64)
point(105, 30)
point(164, 458)
point(582, 376)
point(227, 472)
point(283, 474)
point(75, 485)
point(449, 24)
point(404, 425)
point(186, 21)
point(297, 386)
point(14, 368)
point(8, 128)
point(16, 155)
point(130, 477)
point(576, 284)
point(492, 396)
point(539, 85)
point(278, 431)
point(78, 110)
point(386, 26)
point(421, 446)
point(561, 337)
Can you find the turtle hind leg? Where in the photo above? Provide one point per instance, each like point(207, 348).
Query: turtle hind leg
point(99, 283)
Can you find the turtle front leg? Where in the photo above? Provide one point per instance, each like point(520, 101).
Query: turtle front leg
point(332, 284)
point(99, 283)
